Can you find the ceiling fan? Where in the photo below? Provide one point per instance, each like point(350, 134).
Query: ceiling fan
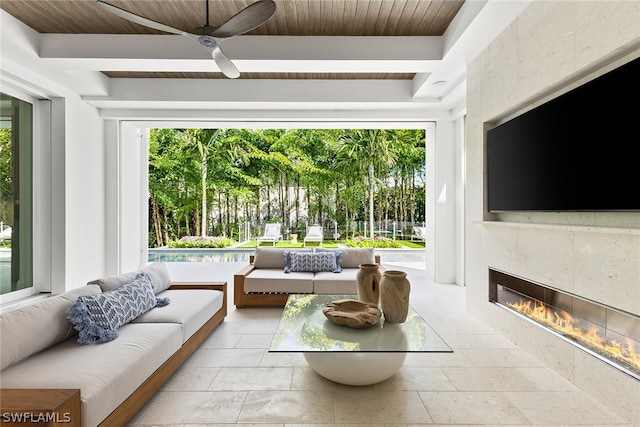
point(246, 20)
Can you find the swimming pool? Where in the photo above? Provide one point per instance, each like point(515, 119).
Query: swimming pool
point(242, 255)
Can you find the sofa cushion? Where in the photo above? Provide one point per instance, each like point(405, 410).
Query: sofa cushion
point(329, 283)
point(98, 317)
point(28, 329)
point(191, 308)
point(353, 257)
point(274, 280)
point(106, 374)
point(272, 257)
point(312, 262)
point(157, 271)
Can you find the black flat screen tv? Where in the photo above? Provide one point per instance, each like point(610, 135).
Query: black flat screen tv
point(577, 152)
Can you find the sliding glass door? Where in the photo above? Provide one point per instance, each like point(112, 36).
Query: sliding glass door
point(16, 194)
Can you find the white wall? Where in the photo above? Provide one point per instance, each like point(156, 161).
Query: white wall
point(84, 194)
point(134, 212)
point(549, 47)
point(73, 195)
point(442, 184)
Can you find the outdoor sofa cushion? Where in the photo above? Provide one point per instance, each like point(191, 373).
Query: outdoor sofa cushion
point(190, 308)
point(98, 317)
point(271, 257)
point(275, 280)
point(353, 257)
point(44, 323)
point(330, 283)
point(106, 373)
point(157, 272)
point(312, 261)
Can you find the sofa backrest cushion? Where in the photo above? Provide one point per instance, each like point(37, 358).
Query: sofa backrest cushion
point(157, 272)
point(272, 257)
point(31, 328)
point(353, 257)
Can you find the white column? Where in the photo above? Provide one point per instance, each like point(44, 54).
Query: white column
point(127, 224)
point(441, 203)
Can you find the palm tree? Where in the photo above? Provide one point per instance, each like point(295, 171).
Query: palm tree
point(369, 151)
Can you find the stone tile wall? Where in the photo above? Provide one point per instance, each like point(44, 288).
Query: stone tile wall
point(551, 48)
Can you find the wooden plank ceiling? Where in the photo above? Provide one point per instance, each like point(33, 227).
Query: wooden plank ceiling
point(292, 18)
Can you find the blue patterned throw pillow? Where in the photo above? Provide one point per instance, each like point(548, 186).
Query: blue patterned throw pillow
point(98, 317)
point(313, 261)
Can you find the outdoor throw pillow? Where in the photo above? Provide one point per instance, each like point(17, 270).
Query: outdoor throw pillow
point(312, 262)
point(98, 317)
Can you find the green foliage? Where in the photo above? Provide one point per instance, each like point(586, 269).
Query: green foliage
point(206, 181)
point(6, 176)
point(376, 242)
point(201, 242)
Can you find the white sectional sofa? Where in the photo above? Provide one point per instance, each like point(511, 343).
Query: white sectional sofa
point(265, 282)
point(39, 347)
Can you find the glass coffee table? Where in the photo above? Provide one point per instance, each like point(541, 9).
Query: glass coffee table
point(349, 355)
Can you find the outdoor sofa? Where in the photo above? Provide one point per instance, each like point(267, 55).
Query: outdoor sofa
point(265, 282)
point(40, 349)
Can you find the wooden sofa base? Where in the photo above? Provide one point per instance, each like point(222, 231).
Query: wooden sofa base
point(261, 299)
point(40, 406)
point(132, 405)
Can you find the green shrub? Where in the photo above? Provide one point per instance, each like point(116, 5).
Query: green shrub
point(202, 242)
point(375, 242)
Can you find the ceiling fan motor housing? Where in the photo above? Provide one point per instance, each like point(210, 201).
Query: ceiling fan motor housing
point(207, 42)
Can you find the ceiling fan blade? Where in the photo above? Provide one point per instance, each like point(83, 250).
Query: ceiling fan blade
point(225, 64)
point(213, 46)
point(247, 19)
point(139, 19)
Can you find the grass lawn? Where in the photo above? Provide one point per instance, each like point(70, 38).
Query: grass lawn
point(329, 245)
point(287, 244)
point(412, 245)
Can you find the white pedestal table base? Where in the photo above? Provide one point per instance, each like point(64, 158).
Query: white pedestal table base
point(356, 368)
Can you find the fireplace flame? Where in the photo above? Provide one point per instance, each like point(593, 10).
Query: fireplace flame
point(564, 323)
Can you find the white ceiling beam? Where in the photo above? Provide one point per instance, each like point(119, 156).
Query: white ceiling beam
point(258, 94)
point(273, 118)
point(118, 52)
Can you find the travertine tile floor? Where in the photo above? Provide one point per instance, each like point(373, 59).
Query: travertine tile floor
point(232, 379)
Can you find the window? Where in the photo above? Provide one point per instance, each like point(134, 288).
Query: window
point(16, 195)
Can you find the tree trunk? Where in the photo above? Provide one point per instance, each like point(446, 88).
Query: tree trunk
point(371, 217)
point(225, 229)
point(156, 223)
point(309, 215)
point(196, 220)
point(412, 198)
point(259, 206)
point(297, 202)
point(268, 202)
point(166, 226)
point(203, 173)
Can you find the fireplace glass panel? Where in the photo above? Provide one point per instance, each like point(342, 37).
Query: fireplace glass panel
point(605, 332)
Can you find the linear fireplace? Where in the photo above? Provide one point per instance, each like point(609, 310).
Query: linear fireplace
point(607, 333)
